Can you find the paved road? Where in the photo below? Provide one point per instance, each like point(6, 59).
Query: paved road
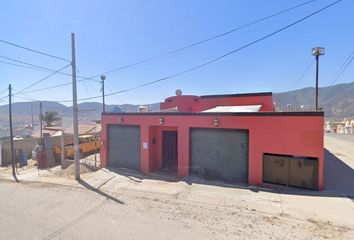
point(123, 205)
point(339, 163)
point(343, 137)
point(133, 207)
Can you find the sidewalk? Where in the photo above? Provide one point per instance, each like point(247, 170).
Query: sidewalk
point(203, 206)
point(295, 204)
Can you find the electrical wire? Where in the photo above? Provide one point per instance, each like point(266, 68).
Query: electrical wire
point(33, 50)
point(82, 78)
point(35, 83)
point(28, 98)
point(3, 98)
point(45, 68)
point(303, 74)
point(165, 54)
point(3, 91)
point(47, 88)
point(205, 40)
point(342, 68)
point(18, 65)
point(218, 58)
point(26, 63)
point(59, 85)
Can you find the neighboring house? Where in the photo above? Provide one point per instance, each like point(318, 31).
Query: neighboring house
point(236, 138)
point(344, 127)
point(348, 127)
point(52, 131)
point(85, 129)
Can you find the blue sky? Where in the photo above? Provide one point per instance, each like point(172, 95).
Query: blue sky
point(110, 34)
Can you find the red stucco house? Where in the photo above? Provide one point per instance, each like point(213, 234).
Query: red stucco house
point(236, 138)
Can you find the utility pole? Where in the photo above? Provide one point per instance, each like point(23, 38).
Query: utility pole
point(75, 110)
point(32, 116)
point(62, 149)
point(103, 77)
point(40, 122)
point(12, 136)
point(317, 51)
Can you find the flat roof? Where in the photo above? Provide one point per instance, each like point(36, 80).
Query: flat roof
point(319, 113)
point(238, 95)
point(234, 109)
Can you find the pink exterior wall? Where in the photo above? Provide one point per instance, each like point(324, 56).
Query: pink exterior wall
point(290, 134)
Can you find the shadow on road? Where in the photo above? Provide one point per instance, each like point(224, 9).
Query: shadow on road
point(338, 180)
point(338, 176)
point(88, 186)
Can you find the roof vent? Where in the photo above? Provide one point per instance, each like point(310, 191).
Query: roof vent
point(178, 92)
point(143, 109)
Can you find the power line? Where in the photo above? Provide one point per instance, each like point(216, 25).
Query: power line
point(33, 50)
point(3, 98)
point(303, 74)
point(5, 90)
point(205, 40)
point(26, 63)
point(218, 58)
point(43, 68)
point(342, 68)
point(82, 78)
point(42, 79)
point(28, 98)
point(47, 88)
point(18, 65)
point(165, 54)
point(61, 85)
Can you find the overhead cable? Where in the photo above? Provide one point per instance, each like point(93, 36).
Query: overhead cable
point(217, 58)
point(205, 40)
point(33, 50)
point(173, 51)
point(45, 68)
point(42, 79)
point(303, 74)
point(342, 68)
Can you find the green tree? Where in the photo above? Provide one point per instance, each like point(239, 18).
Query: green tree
point(50, 118)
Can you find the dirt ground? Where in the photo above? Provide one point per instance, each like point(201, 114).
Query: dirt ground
point(123, 204)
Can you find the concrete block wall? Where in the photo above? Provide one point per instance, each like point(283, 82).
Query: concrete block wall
point(26, 145)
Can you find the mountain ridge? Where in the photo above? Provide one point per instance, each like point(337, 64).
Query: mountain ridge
point(337, 102)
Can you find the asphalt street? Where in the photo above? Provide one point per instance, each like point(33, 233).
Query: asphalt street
point(343, 137)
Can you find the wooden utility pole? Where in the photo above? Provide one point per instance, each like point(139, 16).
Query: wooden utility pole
point(40, 122)
point(75, 110)
point(32, 116)
point(62, 149)
point(12, 136)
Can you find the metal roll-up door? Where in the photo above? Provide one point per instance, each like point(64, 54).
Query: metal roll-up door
point(124, 146)
point(220, 154)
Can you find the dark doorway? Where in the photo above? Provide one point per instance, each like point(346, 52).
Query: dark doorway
point(169, 150)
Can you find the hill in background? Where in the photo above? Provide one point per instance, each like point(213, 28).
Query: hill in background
point(337, 101)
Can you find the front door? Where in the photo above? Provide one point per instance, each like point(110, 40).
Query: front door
point(169, 150)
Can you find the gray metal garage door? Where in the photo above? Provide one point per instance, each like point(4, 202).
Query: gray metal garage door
point(220, 154)
point(124, 146)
